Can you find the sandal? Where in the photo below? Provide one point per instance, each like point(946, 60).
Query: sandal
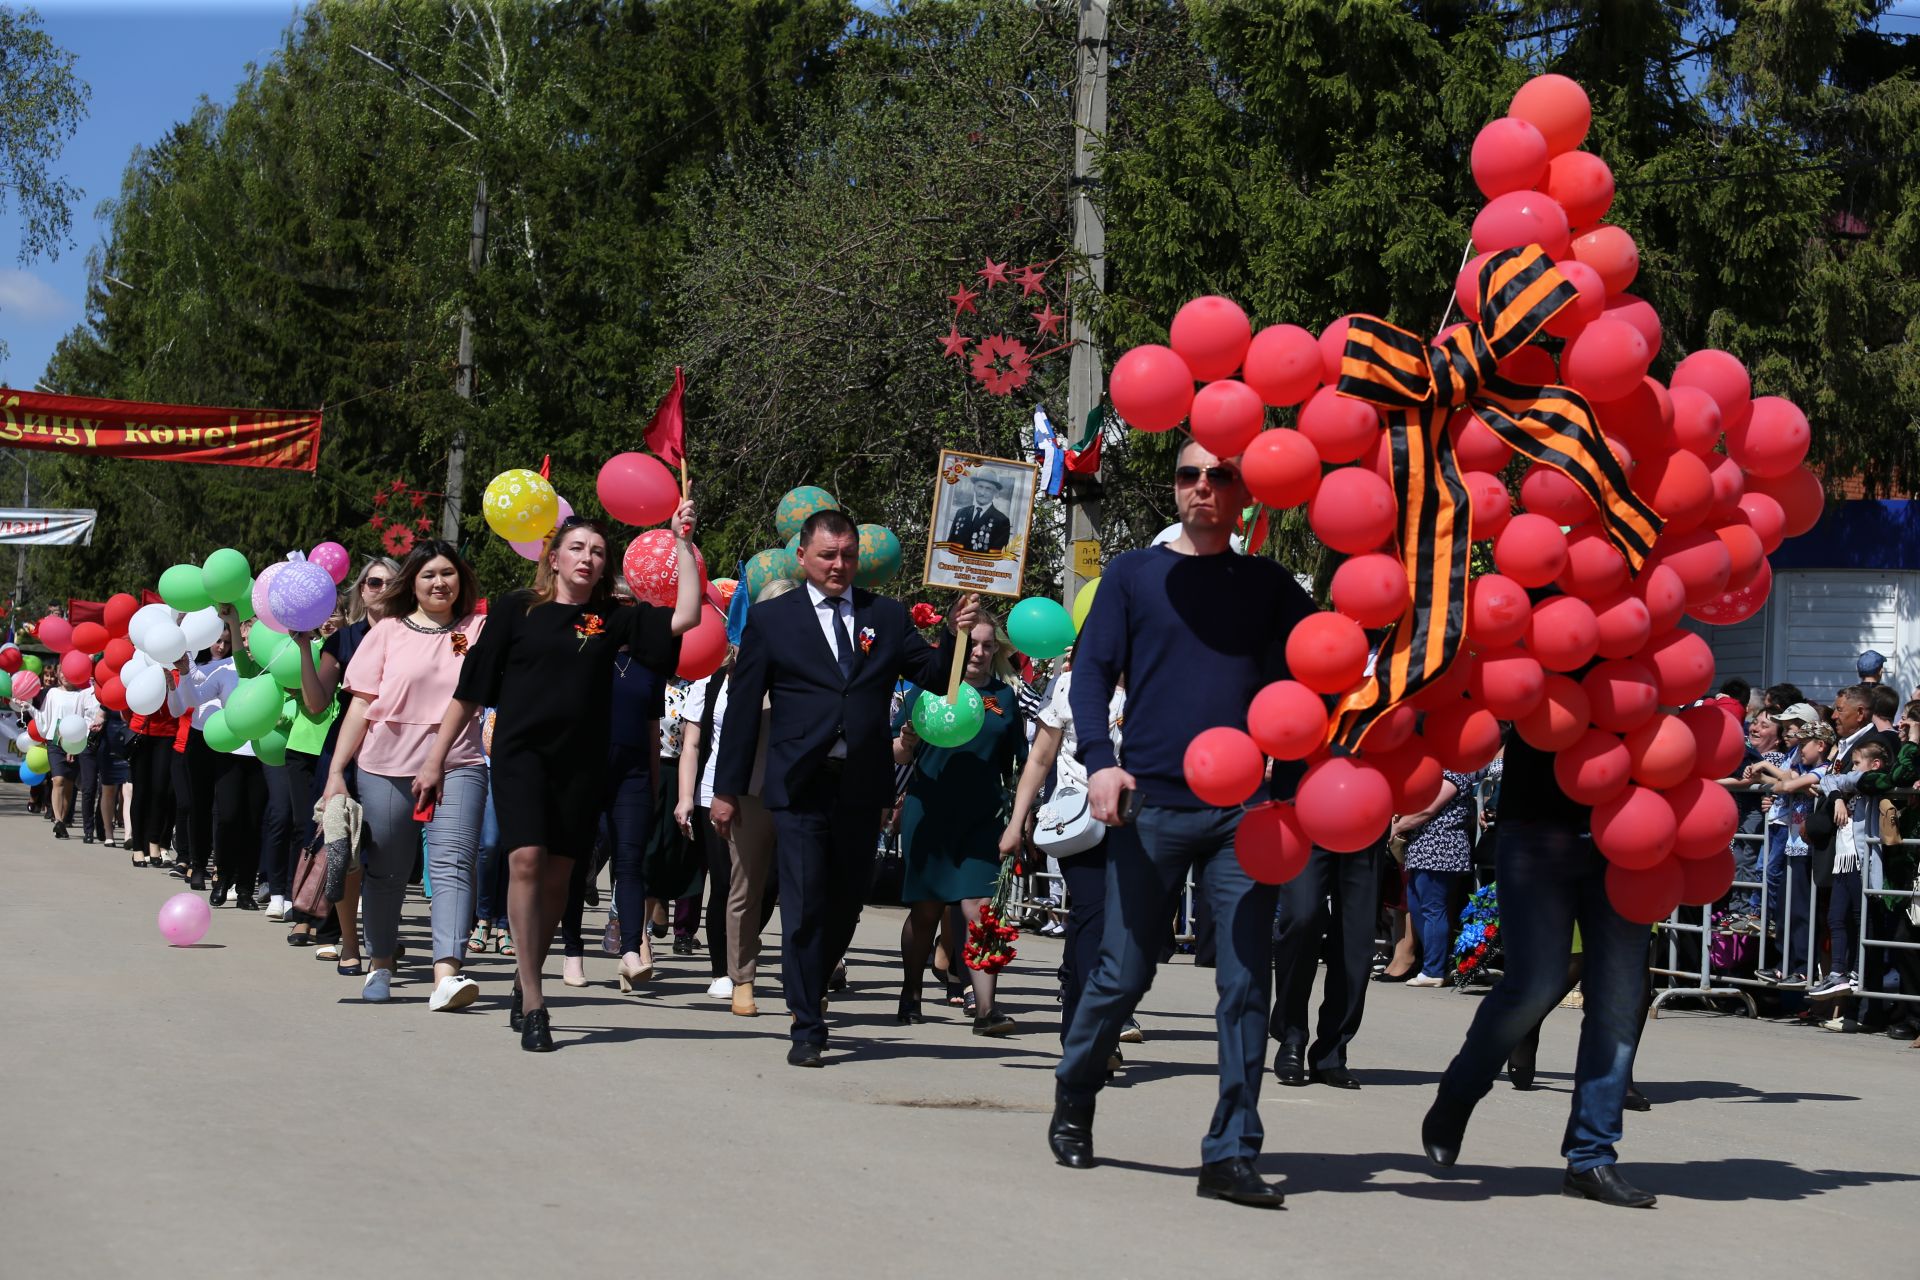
point(329, 952)
point(505, 945)
point(477, 943)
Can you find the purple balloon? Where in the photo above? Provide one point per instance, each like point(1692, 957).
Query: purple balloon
point(262, 589)
point(332, 557)
point(184, 919)
point(302, 596)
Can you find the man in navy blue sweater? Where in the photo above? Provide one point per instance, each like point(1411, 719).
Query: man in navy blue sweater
point(1196, 630)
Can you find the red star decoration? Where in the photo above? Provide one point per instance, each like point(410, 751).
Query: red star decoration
point(963, 300)
point(380, 499)
point(419, 500)
point(1047, 319)
point(424, 525)
point(1029, 279)
point(1000, 378)
point(399, 540)
point(955, 343)
point(398, 485)
point(376, 522)
point(993, 273)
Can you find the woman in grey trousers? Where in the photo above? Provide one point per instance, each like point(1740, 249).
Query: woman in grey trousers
point(401, 679)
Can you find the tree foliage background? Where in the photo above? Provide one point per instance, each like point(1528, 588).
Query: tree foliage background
point(779, 196)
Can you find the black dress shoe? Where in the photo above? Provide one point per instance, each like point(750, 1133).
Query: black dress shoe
point(218, 897)
point(993, 1023)
point(838, 982)
point(1070, 1133)
point(909, 1013)
point(1604, 1183)
point(59, 831)
point(86, 839)
point(536, 1031)
point(1384, 976)
point(1520, 1064)
point(1443, 1130)
point(1236, 1180)
point(514, 1016)
point(1338, 1077)
point(1904, 1031)
point(683, 946)
point(196, 881)
point(804, 1053)
point(1290, 1066)
point(246, 902)
point(1636, 1100)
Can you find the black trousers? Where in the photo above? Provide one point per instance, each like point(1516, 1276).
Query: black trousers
point(150, 768)
point(1086, 877)
point(203, 771)
point(86, 793)
point(182, 807)
point(1335, 900)
point(824, 852)
point(277, 829)
point(239, 806)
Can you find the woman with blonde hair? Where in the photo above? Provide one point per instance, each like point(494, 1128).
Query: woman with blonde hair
point(546, 663)
point(740, 865)
point(955, 809)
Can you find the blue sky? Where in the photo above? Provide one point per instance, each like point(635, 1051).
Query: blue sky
point(148, 65)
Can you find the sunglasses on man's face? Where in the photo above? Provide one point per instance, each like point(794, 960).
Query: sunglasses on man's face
point(1218, 477)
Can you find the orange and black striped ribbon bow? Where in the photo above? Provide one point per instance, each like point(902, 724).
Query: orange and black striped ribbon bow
point(1418, 386)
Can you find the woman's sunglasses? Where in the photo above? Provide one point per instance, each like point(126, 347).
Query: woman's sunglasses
point(372, 584)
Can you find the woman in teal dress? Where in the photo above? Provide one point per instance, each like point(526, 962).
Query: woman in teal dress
point(956, 805)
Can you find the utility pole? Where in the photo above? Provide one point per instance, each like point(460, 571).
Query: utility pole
point(463, 378)
point(1085, 380)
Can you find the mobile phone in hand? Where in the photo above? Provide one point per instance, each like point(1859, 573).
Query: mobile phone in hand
point(423, 812)
point(1129, 808)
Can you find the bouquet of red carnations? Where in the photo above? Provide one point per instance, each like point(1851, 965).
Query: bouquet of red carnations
point(989, 939)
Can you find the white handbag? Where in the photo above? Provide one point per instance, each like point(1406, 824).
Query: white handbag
point(1065, 825)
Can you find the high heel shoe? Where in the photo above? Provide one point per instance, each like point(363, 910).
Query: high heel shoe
point(633, 970)
point(536, 1031)
point(514, 1016)
point(909, 1012)
point(573, 972)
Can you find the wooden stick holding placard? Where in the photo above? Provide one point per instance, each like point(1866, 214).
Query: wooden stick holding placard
point(978, 534)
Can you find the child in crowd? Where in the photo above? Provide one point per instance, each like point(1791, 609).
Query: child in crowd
point(1795, 785)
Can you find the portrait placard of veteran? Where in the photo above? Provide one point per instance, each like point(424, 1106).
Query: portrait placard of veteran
point(982, 516)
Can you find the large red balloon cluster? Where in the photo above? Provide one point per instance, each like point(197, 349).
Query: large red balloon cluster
point(1723, 469)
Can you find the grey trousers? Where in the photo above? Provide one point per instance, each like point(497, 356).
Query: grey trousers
point(386, 851)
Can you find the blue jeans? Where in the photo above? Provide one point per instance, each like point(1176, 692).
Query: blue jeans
point(1749, 855)
point(490, 881)
point(629, 817)
point(1551, 878)
point(1427, 895)
point(1788, 948)
point(1146, 867)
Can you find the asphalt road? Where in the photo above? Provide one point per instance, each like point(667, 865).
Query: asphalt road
point(234, 1110)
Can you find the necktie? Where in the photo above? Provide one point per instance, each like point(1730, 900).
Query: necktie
point(842, 647)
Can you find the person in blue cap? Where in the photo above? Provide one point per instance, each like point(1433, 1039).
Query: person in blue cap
point(1870, 666)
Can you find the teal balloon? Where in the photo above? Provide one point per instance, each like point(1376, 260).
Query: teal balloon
point(219, 735)
point(767, 567)
point(1040, 628)
point(793, 544)
point(949, 724)
point(183, 588)
point(271, 746)
point(226, 577)
point(798, 504)
point(254, 707)
point(879, 557)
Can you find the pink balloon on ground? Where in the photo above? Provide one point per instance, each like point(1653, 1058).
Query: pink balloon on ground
point(332, 557)
point(184, 918)
point(530, 550)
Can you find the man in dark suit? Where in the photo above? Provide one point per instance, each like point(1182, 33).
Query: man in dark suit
point(827, 656)
point(1333, 903)
point(982, 527)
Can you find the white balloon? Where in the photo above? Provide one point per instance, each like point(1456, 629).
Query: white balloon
point(146, 690)
point(134, 666)
point(202, 627)
point(24, 741)
point(144, 617)
point(165, 643)
point(72, 727)
point(74, 746)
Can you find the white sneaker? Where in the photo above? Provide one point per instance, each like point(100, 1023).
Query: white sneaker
point(277, 908)
point(455, 991)
point(1424, 981)
point(378, 986)
point(721, 988)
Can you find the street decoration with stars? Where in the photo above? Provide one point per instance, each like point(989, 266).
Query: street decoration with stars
point(1002, 362)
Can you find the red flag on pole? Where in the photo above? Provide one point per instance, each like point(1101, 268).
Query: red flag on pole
point(666, 434)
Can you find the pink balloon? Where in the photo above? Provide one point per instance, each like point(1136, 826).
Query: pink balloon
point(530, 549)
point(56, 633)
point(1606, 361)
point(1591, 305)
point(636, 489)
point(1151, 388)
point(1522, 218)
point(26, 686)
point(1509, 154)
point(1583, 184)
point(184, 918)
point(263, 592)
point(1211, 334)
point(652, 568)
point(332, 557)
point(1722, 376)
point(1283, 364)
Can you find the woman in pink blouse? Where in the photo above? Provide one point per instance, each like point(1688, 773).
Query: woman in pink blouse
point(401, 679)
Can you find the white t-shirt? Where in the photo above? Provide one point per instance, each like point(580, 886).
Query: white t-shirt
point(206, 689)
point(1058, 714)
point(61, 703)
point(695, 711)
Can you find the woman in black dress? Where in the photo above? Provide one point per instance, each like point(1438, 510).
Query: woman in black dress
point(545, 662)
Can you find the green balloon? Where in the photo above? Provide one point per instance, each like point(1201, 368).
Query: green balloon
point(183, 588)
point(6, 685)
point(271, 746)
point(285, 666)
point(254, 707)
point(31, 662)
point(225, 576)
point(1040, 628)
point(219, 735)
point(37, 758)
point(767, 567)
point(949, 724)
point(879, 557)
point(800, 503)
point(264, 644)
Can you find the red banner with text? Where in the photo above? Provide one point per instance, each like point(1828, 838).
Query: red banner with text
point(285, 439)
